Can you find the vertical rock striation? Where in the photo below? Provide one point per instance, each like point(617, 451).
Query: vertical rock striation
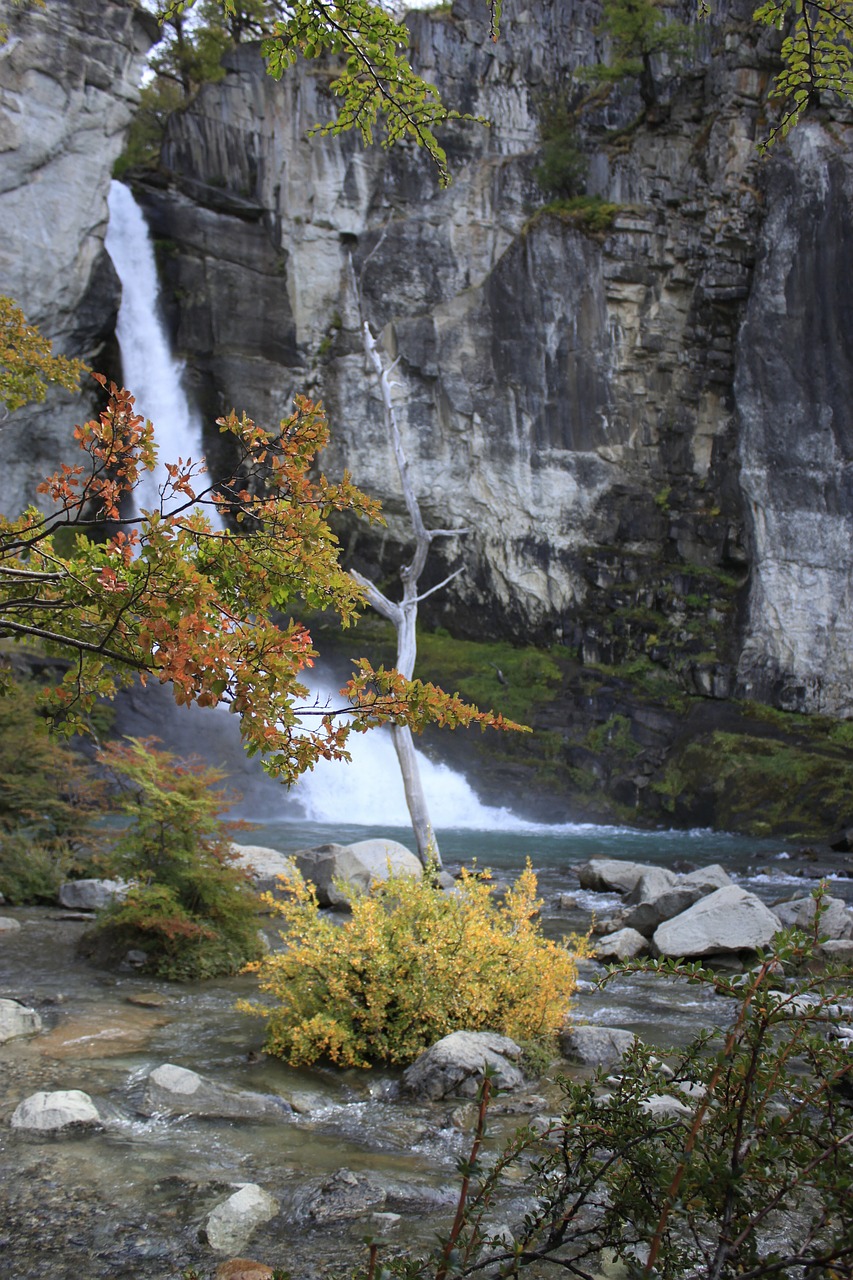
point(69, 76)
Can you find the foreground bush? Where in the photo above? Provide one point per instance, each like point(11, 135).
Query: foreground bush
point(749, 1175)
point(190, 910)
point(408, 966)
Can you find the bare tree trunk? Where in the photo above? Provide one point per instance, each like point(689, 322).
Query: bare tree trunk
point(404, 613)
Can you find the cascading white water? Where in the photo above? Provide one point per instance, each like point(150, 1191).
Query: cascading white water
point(368, 790)
point(150, 372)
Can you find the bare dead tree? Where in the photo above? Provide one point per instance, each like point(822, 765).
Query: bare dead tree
point(404, 613)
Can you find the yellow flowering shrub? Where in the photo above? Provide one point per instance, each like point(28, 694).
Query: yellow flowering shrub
point(408, 966)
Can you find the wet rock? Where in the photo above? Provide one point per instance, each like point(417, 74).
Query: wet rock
point(346, 1195)
point(610, 874)
point(58, 1112)
point(596, 1046)
point(102, 1034)
point(176, 1091)
point(8, 925)
point(455, 1065)
point(353, 864)
point(232, 1222)
point(730, 919)
point(91, 895)
point(836, 922)
point(17, 1020)
point(242, 1269)
point(624, 944)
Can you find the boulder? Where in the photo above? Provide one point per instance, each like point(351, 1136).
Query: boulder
point(707, 878)
point(345, 1195)
point(232, 1222)
point(58, 1112)
point(836, 950)
point(651, 884)
point(455, 1065)
point(264, 865)
point(625, 944)
point(356, 864)
point(176, 1091)
point(596, 1046)
point(836, 922)
point(729, 919)
point(17, 1020)
point(610, 874)
point(8, 925)
point(91, 895)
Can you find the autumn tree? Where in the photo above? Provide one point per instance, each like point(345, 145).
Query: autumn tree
point(186, 592)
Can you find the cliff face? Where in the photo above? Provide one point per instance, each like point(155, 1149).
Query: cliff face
point(68, 87)
point(647, 430)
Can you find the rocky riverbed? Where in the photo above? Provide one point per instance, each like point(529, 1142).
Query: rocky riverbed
point(191, 1115)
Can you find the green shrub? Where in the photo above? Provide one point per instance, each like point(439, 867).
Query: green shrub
point(408, 966)
point(191, 910)
point(48, 795)
point(749, 1174)
point(562, 170)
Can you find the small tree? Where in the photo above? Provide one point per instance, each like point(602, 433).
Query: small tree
point(638, 31)
point(189, 909)
point(404, 613)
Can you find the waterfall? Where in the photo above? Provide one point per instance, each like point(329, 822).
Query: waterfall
point(149, 370)
point(369, 790)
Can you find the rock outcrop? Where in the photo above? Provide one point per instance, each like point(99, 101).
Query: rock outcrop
point(600, 408)
point(69, 77)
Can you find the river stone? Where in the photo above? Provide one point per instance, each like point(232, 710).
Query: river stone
point(624, 944)
point(56, 1112)
point(836, 922)
point(729, 919)
point(17, 1020)
point(354, 864)
point(707, 878)
point(651, 884)
point(8, 925)
point(837, 950)
point(232, 1222)
point(176, 1091)
point(91, 895)
point(242, 1269)
point(455, 1065)
point(346, 1195)
point(603, 874)
point(263, 864)
point(596, 1046)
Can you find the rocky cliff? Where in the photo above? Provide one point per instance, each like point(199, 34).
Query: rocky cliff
point(69, 77)
point(647, 428)
point(641, 415)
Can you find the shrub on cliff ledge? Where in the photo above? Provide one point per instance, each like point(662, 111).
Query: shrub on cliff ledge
point(410, 965)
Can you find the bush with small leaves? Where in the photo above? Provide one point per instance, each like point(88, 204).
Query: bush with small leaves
point(408, 966)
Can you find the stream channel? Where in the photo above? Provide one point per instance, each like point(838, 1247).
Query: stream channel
point(130, 1201)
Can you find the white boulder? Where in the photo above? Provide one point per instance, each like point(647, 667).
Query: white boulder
point(356, 865)
point(232, 1222)
point(177, 1091)
point(91, 895)
point(17, 1020)
point(56, 1112)
point(730, 919)
point(455, 1065)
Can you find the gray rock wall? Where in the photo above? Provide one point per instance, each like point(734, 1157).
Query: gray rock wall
point(69, 76)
